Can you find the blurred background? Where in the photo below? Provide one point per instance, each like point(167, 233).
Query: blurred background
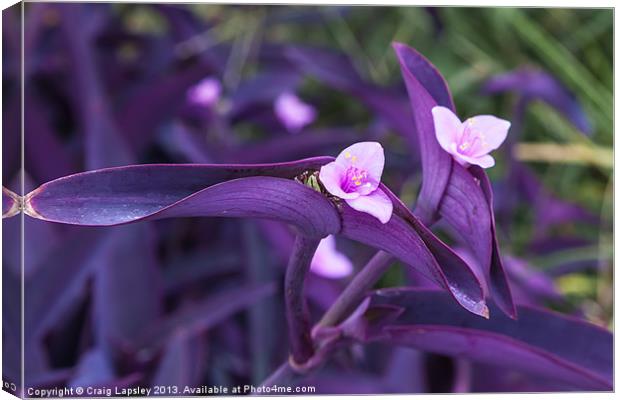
point(199, 300)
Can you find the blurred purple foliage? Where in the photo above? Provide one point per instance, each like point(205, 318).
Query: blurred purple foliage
point(127, 290)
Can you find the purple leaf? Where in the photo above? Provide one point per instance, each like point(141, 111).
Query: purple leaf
point(183, 361)
point(195, 267)
point(264, 88)
point(156, 101)
point(465, 208)
point(328, 66)
point(263, 316)
point(204, 314)
point(129, 194)
point(540, 342)
point(532, 84)
point(366, 322)
point(127, 291)
point(498, 280)
point(60, 281)
point(94, 368)
point(45, 157)
point(466, 203)
point(186, 145)
point(532, 286)
point(11, 138)
point(492, 378)
point(339, 72)
point(104, 145)
point(405, 372)
point(550, 210)
point(427, 89)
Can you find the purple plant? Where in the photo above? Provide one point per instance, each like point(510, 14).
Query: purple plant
point(136, 275)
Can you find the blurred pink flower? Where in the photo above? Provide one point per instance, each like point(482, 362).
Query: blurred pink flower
point(205, 93)
point(355, 177)
point(329, 262)
point(471, 141)
point(293, 113)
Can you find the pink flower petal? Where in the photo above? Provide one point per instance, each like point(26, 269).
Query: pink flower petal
point(485, 161)
point(492, 130)
point(293, 113)
point(447, 126)
point(331, 176)
point(367, 156)
point(329, 262)
point(206, 92)
point(377, 204)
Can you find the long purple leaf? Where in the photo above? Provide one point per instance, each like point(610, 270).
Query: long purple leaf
point(121, 195)
point(427, 89)
point(540, 342)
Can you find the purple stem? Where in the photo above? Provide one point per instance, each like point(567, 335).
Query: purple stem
point(354, 293)
point(297, 315)
point(281, 376)
point(462, 379)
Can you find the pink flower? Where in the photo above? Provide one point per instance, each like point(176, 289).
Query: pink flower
point(355, 176)
point(329, 262)
point(205, 93)
point(293, 113)
point(471, 141)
